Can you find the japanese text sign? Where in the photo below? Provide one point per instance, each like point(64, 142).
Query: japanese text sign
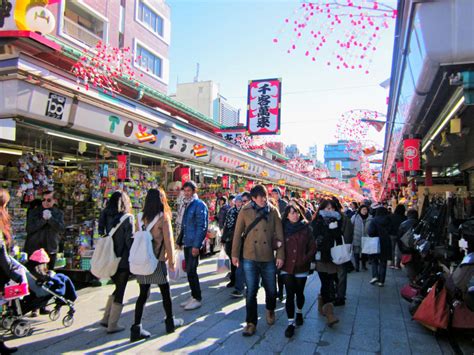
point(263, 106)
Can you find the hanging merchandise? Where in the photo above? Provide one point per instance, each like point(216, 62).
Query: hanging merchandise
point(412, 156)
point(35, 173)
point(225, 181)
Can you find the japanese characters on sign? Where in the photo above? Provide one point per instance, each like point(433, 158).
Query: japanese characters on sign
point(232, 134)
point(263, 106)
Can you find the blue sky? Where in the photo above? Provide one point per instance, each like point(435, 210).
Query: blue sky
point(233, 42)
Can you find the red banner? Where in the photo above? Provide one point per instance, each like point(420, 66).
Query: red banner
point(182, 174)
point(225, 181)
point(401, 179)
point(393, 179)
point(123, 169)
point(412, 155)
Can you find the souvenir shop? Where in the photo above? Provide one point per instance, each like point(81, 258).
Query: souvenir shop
point(87, 145)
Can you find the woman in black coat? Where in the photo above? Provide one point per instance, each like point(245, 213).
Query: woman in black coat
point(397, 218)
point(380, 227)
point(118, 206)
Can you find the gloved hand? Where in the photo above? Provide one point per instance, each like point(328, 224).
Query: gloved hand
point(47, 214)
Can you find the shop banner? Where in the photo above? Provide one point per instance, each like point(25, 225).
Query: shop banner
point(393, 179)
point(182, 174)
point(263, 106)
point(411, 155)
point(401, 179)
point(123, 170)
point(225, 181)
point(232, 134)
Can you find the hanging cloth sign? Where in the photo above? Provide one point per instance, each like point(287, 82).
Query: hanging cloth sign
point(411, 155)
point(123, 170)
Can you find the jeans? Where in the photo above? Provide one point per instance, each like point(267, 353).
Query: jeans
point(191, 270)
point(253, 271)
point(328, 286)
point(341, 283)
point(379, 268)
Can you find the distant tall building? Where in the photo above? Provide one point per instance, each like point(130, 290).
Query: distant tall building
point(339, 162)
point(203, 96)
point(292, 151)
point(313, 154)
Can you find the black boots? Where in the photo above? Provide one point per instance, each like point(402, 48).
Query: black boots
point(138, 333)
point(299, 319)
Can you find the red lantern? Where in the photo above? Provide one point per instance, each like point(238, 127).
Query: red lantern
point(401, 179)
point(393, 179)
point(412, 155)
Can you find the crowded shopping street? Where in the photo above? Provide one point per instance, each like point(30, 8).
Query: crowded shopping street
point(237, 176)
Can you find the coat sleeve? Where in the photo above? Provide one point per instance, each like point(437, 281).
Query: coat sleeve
point(372, 229)
point(310, 248)
point(102, 226)
point(280, 253)
point(201, 219)
point(237, 240)
point(57, 221)
point(34, 222)
point(168, 239)
point(347, 230)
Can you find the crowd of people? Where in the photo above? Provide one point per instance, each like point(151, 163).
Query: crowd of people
point(272, 241)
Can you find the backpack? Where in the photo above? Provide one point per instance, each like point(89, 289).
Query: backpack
point(104, 262)
point(142, 258)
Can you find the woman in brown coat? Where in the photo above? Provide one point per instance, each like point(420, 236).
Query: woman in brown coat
point(300, 250)
point(158, 212)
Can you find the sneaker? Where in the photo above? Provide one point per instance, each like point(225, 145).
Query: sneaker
point(299, 319)
point(374, 280)
point(237, 294)
point(290, 331)
point(185, 303)
point(194, 304)
point(380, 284)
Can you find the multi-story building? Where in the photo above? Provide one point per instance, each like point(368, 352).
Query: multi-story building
point(144, 26)
point(292, 151)
point(339, 161)
point(204, 96)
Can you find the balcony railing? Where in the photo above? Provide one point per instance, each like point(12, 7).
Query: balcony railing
point(80, 33)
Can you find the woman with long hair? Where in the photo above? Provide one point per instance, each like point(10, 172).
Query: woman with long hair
point(327, 229)
point(6, 271)
point(157, 212)
point(300, 249)
point(117, 207)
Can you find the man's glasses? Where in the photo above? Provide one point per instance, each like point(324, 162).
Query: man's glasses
point(47, 200)
point(245, 201)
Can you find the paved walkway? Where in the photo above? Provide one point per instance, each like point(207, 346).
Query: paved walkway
point(374, 321)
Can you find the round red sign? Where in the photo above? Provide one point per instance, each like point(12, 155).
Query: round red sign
point(411, 153)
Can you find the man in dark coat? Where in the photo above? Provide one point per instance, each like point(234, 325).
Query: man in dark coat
point(380, 227)
point(281, 204)
point(44, 226)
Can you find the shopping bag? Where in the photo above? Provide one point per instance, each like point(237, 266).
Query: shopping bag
point(433, 311)
point(341, 254)
point(223, 262)
point(463, 317)
point(179, 268)
point(370, 245)
point(408, 292)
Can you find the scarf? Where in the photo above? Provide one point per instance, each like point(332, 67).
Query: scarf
point(261, 210)
point(182, 205)
point(292, 228)
point(330, 215)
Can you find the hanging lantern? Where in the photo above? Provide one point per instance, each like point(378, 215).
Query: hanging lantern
point(412, 155)
point(401, 179)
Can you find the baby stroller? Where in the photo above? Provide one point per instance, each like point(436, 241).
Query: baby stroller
point(46, 289)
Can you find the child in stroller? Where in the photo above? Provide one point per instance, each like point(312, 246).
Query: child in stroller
point(46, 288)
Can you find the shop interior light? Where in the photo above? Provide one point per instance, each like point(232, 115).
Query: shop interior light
point(77, 139)
point(443, 123)
point(11, 151)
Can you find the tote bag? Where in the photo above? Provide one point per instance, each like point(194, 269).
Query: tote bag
point(433, 311)
point(341, 254)
point(104, 262)
point(370, 245)
point(223, 262)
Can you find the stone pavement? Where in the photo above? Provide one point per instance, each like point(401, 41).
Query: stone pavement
point(374, 321)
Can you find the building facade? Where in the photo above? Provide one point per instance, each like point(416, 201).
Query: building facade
point(339, 162)
point(292, 151)
point(144, 26)
point(204, 97)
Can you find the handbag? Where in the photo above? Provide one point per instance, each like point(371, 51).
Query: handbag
point(104, 262)
point(342, 253)
point(408, 292)
point(463, 317)
point(433, 311)
point(370, 245)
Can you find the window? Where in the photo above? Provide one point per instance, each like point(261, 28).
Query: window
point(150, 62)
point(150, 18)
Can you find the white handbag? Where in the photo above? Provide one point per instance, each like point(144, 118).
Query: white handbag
point(370, 245)
point(104, 262)
point(341, 254)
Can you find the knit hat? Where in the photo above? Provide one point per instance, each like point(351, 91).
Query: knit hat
point(40, 256)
